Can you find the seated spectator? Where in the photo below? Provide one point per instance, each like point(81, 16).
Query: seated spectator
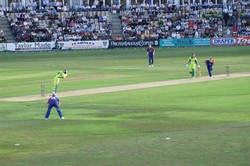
point(2, 11)
point(2, 37)
point(228, 32)
point(100, 18)
point(45, 3)
point(235, 31)
point(13, 5)
point(65, 8)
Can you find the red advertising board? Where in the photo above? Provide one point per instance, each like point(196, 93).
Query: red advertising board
point(230, 41)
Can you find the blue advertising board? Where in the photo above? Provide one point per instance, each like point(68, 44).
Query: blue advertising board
point(201, 41)
point(185, 42)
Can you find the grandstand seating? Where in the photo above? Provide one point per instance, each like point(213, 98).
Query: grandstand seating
point(139, 22)
point(47, 26)
point(188, 21)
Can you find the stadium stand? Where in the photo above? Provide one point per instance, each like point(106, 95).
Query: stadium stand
point(152, 22)
point(55, 21)
point(53, 25)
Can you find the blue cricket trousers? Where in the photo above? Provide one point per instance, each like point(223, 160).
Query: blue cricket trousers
point(150, 59)
point(209, 69)
point(51, 105)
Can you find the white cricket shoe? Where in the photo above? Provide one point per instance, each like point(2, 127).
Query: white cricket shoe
point(46, 118)
point(62, 117)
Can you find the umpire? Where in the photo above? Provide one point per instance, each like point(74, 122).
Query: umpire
point(53, 102)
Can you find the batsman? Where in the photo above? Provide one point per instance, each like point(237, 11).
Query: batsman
point(192, 63)
point(60, 74)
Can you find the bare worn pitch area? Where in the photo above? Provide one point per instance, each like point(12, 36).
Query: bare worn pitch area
point(127, 87)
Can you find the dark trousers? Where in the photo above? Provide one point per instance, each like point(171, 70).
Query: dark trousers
point(209, 70)
point(150, 59)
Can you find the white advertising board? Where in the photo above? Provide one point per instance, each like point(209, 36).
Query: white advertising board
point(33, 46)
point(91, 44)
point(42, 46)
point(2, 46)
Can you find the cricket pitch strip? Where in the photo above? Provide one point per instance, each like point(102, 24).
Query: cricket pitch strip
point(126, 87)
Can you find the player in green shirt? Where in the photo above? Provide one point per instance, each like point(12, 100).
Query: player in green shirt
point(60, 74)
point(192, 63)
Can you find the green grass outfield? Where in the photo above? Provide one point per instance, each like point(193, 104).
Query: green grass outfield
point(195, 124)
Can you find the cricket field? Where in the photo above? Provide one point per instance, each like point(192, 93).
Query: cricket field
point(120, 112)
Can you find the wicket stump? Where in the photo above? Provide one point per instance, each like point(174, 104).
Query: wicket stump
point(227, 71)
point(42, 90)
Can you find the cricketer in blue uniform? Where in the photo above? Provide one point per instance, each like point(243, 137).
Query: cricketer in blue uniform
point(54, 102)
point(150, 53)
point(209, 63)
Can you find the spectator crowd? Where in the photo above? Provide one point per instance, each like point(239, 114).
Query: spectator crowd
point(56, 21)
point(144, 21)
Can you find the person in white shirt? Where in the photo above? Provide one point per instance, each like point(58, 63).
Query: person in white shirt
point(96, 3)
point(65, 8)
point(45, 3)
point(196, 35)
point(228, 32)
point(173, 35)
